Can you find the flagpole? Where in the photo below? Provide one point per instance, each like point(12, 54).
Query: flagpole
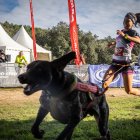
point(33, 31)
point(74, 30)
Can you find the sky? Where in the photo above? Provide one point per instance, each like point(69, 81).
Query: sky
point(101, 17)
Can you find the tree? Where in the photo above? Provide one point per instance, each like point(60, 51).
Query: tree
point(58, 39)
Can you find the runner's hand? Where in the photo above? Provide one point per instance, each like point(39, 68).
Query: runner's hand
point(110, 45)
point(119, 32)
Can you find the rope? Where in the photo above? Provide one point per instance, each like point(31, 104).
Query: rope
point(122, 66)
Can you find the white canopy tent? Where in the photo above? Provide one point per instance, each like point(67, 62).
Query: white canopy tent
point(11, 47)
point(24, 39)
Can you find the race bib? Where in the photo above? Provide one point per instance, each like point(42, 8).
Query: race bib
point(119, 51)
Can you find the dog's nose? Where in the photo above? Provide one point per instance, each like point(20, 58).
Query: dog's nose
point(22, 78)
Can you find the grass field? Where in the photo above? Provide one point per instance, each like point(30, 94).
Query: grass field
point(17, 114)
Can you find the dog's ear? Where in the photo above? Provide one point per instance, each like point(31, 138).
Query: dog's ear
point(61, 62)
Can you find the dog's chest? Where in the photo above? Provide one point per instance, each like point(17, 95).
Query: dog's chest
point(60, 110)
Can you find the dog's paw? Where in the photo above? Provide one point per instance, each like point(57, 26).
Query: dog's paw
point(105, 137)
point(108, 136)
point(37, 133)
point(102, 138)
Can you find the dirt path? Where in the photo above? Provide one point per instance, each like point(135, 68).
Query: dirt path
point(17, 94)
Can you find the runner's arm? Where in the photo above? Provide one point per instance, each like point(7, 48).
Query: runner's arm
point(111, 44)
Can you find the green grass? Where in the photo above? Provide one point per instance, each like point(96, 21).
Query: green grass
point(16, 118)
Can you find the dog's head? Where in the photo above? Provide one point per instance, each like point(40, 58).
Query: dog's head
point(39, 74)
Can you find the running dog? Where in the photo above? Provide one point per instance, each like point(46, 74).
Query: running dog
point(60, 97)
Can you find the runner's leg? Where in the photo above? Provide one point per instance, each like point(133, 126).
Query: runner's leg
point(109, 77)
point(128, 78)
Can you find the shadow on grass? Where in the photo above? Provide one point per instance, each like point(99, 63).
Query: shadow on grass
point(86, 130)
point(137, 107)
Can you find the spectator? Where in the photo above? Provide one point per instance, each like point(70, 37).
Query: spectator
point(3, 57)
point(82, 59)
point(20, 61)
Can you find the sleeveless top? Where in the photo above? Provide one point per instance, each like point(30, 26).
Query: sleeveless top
point(20, 60)
point(124, 47)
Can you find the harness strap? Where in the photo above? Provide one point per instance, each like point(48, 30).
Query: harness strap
point(86, 87)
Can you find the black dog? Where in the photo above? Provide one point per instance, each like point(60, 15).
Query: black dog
point(59, 97)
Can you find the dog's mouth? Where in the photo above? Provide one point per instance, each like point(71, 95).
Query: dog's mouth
point(30, 89)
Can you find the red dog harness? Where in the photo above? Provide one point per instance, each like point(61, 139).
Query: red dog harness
point(86, 87)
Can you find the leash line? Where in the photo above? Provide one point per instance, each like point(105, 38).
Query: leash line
point(122, 66)
point(103, 81)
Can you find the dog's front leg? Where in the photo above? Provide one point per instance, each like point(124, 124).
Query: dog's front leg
point(42, 112)
point(76, 117)
point(103, 120)
point(35, 128)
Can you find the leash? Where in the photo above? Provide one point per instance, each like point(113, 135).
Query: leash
point(103, 81)
point(122, 66)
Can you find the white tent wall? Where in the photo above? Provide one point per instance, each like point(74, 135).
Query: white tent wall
point(23, 38)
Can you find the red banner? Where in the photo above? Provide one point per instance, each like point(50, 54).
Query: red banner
point(73, 30)
point(33, 31)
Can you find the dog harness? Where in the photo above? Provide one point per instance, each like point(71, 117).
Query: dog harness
point(86, 87)
point(71, 83)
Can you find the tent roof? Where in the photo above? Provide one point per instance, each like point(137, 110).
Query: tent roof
point(6, 40)
point(23, 38)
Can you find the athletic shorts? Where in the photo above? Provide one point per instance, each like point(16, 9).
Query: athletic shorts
point(124, 70)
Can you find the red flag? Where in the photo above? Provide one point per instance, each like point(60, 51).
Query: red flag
point(33, 31)
point(73, 30)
